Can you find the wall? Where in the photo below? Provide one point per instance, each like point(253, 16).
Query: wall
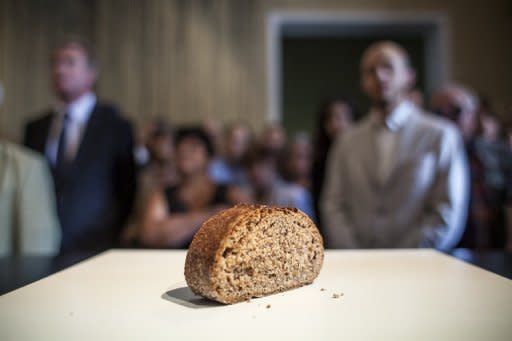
point(194, 59)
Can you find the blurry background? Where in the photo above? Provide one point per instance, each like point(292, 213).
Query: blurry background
point(191, 60)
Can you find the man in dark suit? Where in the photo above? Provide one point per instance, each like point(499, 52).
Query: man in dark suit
point(90, 149)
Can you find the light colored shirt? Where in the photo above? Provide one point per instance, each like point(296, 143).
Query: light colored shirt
point(290, 195)
point(404, 187)
point(28, 217)
point(221, 172)
point(387, 137)
point(78, 112)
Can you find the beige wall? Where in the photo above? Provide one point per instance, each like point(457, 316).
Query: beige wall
point(190, 60)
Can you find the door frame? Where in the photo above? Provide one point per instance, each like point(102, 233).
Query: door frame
point(433, 26)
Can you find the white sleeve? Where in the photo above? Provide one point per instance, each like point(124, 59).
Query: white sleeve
point(443, 227)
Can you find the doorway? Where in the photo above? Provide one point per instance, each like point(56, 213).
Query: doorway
point(313, 56)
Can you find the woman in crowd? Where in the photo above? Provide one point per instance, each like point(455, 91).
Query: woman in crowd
point(267, 187)
point(228, 167)
point(173, 215)
point(273, 138)
point(156, 172)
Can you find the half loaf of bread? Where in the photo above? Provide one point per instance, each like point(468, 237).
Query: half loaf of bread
point(252, 251)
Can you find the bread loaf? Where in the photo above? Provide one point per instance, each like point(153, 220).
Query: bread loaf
point(252, 251)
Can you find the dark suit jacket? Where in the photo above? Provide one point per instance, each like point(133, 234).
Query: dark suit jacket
point(95, 195)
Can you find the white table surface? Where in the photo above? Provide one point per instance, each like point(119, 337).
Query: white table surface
point(387, 295)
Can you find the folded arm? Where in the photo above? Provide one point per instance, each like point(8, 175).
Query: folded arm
point(159, 228)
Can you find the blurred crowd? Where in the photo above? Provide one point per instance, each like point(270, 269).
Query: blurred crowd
point(87, 180)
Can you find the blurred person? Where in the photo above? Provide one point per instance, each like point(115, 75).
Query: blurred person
point(509, 138)
point(296, 161)
point(158, 173)
point(509, 181)
point(459, 105)
point(508, 132)
point(28, 216)
point(229, 168)
point(492, 149)
point(273, 138)
point(268, 188)
point(491, 125)
point(485, 226)
point(89, 147)
point(335, 117)
point(142, 137)
point(161, 169)
point(399, 178)
point(173, 215)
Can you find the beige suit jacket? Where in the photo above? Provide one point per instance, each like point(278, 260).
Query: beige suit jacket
point(28, 218)
point(421, 203)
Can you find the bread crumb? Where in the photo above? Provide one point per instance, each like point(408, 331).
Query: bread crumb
point(322, 289)
point(335, 296)
point(341, 294)
point(268, 306)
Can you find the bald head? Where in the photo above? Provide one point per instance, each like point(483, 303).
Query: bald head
point(386, 75)
point(386, 46)
point(455, 95)
point(458, 104)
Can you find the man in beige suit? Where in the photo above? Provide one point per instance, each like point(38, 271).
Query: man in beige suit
point(399, 179)
point(28, 217)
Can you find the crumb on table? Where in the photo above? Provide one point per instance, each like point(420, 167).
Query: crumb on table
point(322, 289)
point(335, 296)
point(268, 306)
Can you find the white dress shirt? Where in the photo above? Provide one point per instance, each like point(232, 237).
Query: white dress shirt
point(78, 112)
point(387, 138)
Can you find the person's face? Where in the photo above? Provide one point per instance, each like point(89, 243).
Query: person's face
point(274, 139)
point(191, 157)
point(490, 126)
point(447, 105)
point(261, 175)
point(450, 105)
point(385, 77)
point(237, 143)
point(162, 147)
point(339, 119)
point(72, 75)
point(300, 159)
